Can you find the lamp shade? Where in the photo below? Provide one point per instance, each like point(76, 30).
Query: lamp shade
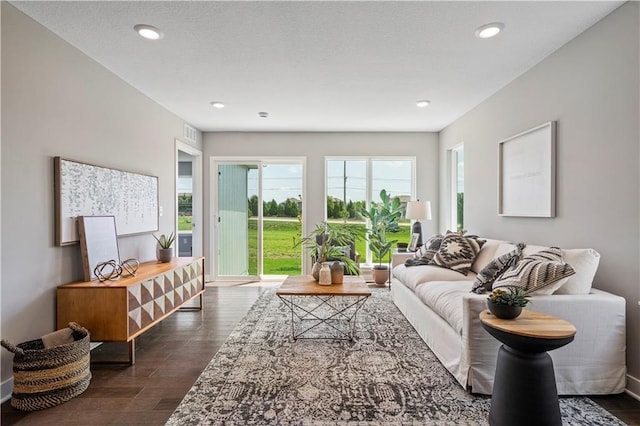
point(418, 210)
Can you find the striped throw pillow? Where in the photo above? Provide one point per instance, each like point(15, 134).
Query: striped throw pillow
point(494, 269)
point(536, 271)
point(429, 248)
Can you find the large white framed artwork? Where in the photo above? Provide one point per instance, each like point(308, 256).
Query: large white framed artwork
point(527, 173)
point(87, 190)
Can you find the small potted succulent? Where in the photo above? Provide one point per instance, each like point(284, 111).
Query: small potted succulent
point(165, 249)
point(507, 302)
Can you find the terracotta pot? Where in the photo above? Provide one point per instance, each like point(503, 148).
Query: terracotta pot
point(380, 274)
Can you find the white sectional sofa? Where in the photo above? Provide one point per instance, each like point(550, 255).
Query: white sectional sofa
point(438, 302)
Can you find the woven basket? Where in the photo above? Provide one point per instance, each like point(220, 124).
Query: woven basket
point(43, 376)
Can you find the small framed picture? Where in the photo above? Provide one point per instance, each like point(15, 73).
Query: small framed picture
point(414, 241)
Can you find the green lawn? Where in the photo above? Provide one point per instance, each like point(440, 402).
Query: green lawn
point(184, 223)
point(282, 258)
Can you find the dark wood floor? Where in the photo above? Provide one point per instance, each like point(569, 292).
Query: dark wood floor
point(169, 358)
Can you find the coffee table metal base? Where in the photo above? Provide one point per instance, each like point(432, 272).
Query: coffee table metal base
point(329, 310)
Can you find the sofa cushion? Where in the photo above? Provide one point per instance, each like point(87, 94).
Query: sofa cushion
point(445, 299)
point(585, 263)
point(537, 272)
point(413, 276)
point(426, 251)
point(457, 252)
point(490, 273)
point(489, 252)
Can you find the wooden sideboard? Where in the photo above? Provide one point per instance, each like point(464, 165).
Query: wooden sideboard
point(118, 311)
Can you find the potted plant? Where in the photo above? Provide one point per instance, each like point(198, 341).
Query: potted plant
point(507, 302)
point(383, 218)
point(165, 249)
point(327, 242)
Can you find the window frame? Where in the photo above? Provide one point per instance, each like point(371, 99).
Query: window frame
point(369, 181)
point(453, 182)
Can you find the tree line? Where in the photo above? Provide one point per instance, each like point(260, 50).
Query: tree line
point(336, 209)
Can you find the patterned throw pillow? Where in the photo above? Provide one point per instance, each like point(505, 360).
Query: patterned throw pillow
point(487, 276)
point(429, 248)
point(536, 271)
point(457, 252)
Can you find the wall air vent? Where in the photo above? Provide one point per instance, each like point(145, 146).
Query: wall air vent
point(190, 133)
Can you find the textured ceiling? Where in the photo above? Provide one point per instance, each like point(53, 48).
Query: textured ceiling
point(318, 66)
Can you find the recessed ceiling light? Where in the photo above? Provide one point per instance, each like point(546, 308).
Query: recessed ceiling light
point(423, 103)
point(217, 104)
point(489, 30)
point(148, 31)
point(263, 114)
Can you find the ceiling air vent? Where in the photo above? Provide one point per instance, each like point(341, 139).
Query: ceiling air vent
point(190, 133)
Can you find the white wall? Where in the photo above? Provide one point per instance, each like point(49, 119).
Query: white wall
point(57, 101)
point(315, 146)
point(590, 86)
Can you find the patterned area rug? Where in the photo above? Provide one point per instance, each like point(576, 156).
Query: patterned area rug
point(387, 376)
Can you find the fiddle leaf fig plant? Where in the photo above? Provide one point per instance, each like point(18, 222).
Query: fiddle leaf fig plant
point(383, 218)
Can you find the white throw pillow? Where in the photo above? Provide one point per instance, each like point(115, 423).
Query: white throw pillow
point(585, 262)
point(488, 253)
point(529, 249)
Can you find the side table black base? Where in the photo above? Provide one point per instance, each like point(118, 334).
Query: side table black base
point(524, 390)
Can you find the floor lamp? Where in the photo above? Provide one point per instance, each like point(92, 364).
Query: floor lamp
point(418, 210)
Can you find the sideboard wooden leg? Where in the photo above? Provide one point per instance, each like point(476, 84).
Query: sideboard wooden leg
point(132, 351)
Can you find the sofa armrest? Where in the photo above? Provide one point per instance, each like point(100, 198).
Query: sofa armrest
point(588, 312)
point(399, 258)
point(597, 352)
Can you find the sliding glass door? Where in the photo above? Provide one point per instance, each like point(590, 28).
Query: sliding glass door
point(258, 219)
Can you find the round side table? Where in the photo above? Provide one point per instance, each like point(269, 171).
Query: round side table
point(524, 388)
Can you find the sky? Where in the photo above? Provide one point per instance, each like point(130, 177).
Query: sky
point(285, 181)
point(392, 175)
point(279, 182)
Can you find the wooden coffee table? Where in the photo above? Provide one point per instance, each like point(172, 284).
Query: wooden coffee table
point(334, 306)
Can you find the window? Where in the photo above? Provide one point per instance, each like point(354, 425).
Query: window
point(457, 188)
point(353, 183)
point(346, 188)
